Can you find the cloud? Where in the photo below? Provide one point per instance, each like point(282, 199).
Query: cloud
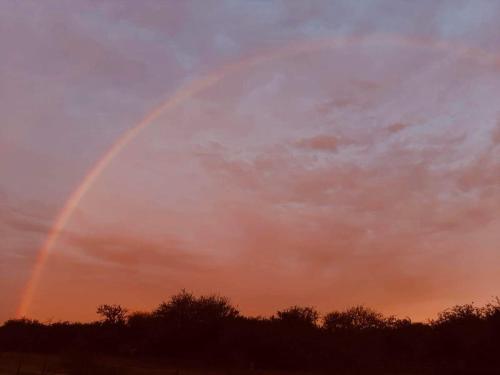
point(336, 104)
point(24, 218)
point(288, 207)
point(397, 127)
point(127, 251)
point(26, 227)
point(327, 143)
point(495, 135)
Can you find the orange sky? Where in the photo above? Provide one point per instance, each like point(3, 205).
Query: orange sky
point(367, 174)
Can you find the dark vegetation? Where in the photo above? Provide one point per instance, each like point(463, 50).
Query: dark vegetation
point(211, 333)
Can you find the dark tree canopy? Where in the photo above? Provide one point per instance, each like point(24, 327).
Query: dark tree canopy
point(300, 316)
point(185, 307)
point(354, 318)
point(112, 314)
point(210, 330)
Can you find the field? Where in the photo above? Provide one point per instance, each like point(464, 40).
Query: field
point(34, 364)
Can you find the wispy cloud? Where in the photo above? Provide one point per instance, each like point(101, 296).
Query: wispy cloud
point(327, 143)
point(362, 173)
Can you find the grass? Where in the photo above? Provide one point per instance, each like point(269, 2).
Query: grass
point(79, 364)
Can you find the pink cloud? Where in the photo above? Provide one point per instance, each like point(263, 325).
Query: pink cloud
point(397, 127)
point(281, 184)
point(328, 143)
point(495, 136)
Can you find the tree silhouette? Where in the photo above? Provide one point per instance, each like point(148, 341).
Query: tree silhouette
point(299, 316)
point(354, 318)
point(186, 308)
point(209, 330)
point(112, 314)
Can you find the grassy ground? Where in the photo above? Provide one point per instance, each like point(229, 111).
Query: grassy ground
point(33, 364)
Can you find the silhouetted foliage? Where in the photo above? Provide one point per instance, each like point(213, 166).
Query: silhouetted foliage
point(112, 314)
point(299, 316)
point(185, 308)
point(210, 330)
point(354, 318)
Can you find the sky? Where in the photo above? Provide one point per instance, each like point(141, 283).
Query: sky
point(347, 153)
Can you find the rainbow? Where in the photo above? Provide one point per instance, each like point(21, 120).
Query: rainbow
point(197, 86)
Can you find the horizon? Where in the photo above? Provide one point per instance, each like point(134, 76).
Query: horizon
point(324, 154)
point(494, 302)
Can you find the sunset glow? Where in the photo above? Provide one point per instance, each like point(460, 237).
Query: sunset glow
point(306, 159)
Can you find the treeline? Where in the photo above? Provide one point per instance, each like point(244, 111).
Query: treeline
point(209, 330)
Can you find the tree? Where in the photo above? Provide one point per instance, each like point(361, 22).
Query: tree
point(299, 316)
point(354, 318)
point(460, 314)
point(187, 308)
point(492, 309)
point(112, 314)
